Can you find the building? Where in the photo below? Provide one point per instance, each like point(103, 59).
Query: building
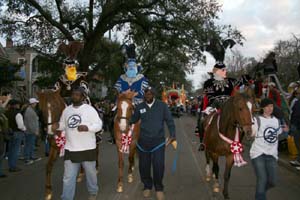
point(24, 56)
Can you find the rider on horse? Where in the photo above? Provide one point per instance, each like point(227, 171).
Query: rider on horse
point(132, 79)
point(218, 88)
point(72, 78)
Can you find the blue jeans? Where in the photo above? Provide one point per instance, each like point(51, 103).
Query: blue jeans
point(70, 173)
point(29, 146)
point(265, 167)
point(14, 147)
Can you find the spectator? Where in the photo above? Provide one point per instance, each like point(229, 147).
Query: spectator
point(80, 122)
point(151, 144)
point(3, 132)
point(16, 124)
point(274, 94)
point(295, 127)
point(31, 121)
point(264, 149)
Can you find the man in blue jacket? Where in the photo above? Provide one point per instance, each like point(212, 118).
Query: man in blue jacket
point(151, 144)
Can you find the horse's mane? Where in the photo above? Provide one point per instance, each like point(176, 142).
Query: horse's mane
point(227, 117)
point(126, 96)
point(56, 101)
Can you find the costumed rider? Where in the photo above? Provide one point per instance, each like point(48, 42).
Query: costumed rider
point(132, 79)
point(218, 88)
point(72, 78)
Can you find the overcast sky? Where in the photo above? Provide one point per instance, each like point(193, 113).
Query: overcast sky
point(262, 23)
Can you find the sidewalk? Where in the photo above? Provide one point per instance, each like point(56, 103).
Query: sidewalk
point(284, 159)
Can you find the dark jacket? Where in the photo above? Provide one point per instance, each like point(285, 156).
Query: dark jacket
point(152, 123)
point(295, 117)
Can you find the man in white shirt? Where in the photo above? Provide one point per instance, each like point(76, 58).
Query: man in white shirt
point(80, 122)
point(17, 129)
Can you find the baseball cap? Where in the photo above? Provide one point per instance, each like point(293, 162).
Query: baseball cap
point(33, 100)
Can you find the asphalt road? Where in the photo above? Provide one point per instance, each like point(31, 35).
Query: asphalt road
point(187, 183)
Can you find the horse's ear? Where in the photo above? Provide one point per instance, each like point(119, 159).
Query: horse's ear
point(235, 91)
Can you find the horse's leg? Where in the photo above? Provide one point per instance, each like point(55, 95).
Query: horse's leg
point(207, 168)
point(121, 160)
point(131, 162)
point(229, 163)
point(121, 167)
point(80, 175)
point(216, 186)
point(51, 160)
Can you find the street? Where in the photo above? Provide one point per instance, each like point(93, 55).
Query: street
point(187, 183)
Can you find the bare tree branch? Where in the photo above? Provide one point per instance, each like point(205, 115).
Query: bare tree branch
point(49, 18)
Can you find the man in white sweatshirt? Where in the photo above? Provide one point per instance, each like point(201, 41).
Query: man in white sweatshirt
point(80, 122)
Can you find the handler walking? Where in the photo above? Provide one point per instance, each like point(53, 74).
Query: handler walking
point(151, 144)
point(80, 122)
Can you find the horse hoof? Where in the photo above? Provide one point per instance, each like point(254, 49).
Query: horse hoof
point(80, 177)
point(216, 188)
point(120, 189)
point(48, 197)
point(130, 178)
point(208, 178)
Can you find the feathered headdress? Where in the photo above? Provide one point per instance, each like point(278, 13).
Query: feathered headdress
point(129, 51)
point(217, 49)
point(70, 51)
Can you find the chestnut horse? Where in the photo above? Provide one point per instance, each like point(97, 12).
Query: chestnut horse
point(52, 106)
point(234, 118)
point(125, 110)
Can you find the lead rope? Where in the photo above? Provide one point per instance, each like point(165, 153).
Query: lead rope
point(235, 146)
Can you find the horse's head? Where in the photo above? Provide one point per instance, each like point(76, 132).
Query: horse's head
point(242, 109)
point(125, 109)
point(51, 104)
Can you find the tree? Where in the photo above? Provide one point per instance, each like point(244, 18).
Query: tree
point(288, 58)
point(8, 73)
point(183, 24)
point(238, 64)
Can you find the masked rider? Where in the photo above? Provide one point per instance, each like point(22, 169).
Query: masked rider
point(72, 78)
point(132, 79)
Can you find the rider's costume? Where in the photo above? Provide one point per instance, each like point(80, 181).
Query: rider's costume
point(71, 79)
point(132, 79)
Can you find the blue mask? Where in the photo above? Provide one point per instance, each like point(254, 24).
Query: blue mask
point(131, 71)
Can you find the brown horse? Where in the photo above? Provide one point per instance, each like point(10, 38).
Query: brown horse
point(234, 118)
point(52, 106)
point(125, 110)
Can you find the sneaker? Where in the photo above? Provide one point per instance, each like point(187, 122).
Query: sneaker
point(36, 159)
point(111, 141)
point(92, 197)
point(14, 169)
point(295, 163)
point(21, 158)
point(201, 147)
point(297, 168)
point(28, 162)
point(160, 195)
point(3, 176)
point(147, 193)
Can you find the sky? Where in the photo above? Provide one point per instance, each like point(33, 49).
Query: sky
point(262, 23)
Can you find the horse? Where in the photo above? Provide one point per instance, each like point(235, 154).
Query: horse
point(122, 128)
point(234, 118)
point(52, 105)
